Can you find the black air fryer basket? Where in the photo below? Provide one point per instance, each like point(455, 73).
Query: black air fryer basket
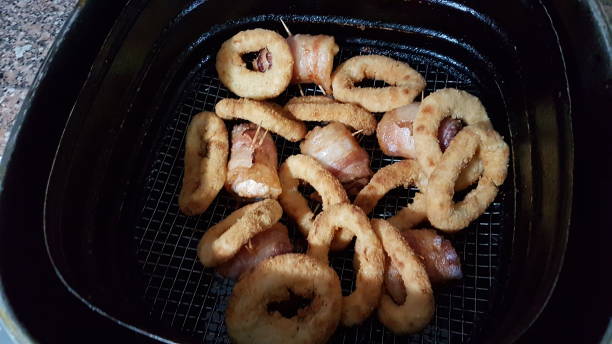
point(118, 241)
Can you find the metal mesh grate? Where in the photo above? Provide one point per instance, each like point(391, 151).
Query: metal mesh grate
point(192, 299)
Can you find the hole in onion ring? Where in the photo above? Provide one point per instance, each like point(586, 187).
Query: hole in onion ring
point(460, 195)
point(315, 202)
point(371, 83)
point(394, 200)
point(248, 58)
point(447, 130)
point(342, 262)
point(258, 61)
point(294, 305)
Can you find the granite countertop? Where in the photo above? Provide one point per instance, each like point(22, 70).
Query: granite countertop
point(27, 32)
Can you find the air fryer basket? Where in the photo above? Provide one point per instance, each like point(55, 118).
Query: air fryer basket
point(119, 242)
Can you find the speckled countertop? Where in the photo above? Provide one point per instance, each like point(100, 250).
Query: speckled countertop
point(27, 31)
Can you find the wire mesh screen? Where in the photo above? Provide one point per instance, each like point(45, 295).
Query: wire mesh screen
point(192, 300)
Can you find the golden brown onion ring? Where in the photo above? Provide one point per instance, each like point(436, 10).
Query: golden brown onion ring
point(402, 173)
point(434, 108)
point(418, 308)
point(268, 115)
point(406, 83)
point(442, 212)
point(302, 167)
point(206, 150)
point(233, 71)
point(269, 243)
point(369, 258)
point(249, 321)
point(412, 214)
point(325, 109)
point(223, 240)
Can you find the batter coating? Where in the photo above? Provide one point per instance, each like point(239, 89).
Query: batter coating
point(369, 258)
point(235, 75)
point(206, 150)
point(406, 83)
point(402, 173)
point(434, 108)
point(222, 241)
point(442, 211)
point(418, 307)
point(325, 109)
point(302, 167)
point(268, 115)
point(249, 321)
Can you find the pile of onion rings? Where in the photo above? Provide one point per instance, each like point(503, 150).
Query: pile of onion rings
point(472, 152)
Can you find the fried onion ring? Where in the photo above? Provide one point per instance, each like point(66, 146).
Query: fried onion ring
point(325, 109)
point(442, 212)
point(369, 258)
point(402, 173)
point(303, 167)
point(223, 240)
point(411, 215)
point(406, 83)
point(418, 308)
point(249, 321)
point(206, 150)
point(233, 71)
point(434, 108)
point(268, 115)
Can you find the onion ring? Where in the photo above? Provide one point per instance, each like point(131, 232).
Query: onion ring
point(325, 109)
point(418, 308)
point(411, 215)
point(233, 71)
point(223, 240)
point(434, 108)
point(248, 319)
point(303, 167)
point(268, 115)
point(402, 173)
point(406, 83)
point(442, 212)
point(206, 150)
point(369, 258)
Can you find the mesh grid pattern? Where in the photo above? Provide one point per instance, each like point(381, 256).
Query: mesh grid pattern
point(192, 299)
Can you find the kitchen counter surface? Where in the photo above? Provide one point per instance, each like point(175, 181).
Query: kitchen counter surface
point(28, 29)
point(27, 32)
